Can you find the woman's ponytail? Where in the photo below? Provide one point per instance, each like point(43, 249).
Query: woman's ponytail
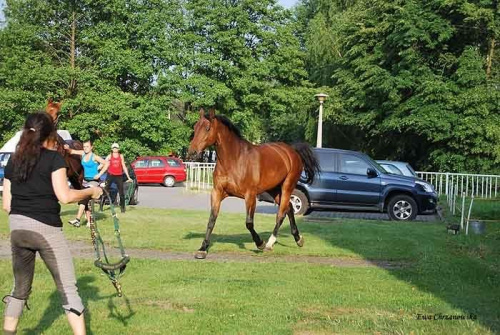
point(37, 129)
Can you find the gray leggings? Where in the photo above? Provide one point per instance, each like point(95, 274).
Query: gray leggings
point(27, 236)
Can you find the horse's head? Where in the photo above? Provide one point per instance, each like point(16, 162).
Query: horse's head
point(53, 109)
point(205, 133)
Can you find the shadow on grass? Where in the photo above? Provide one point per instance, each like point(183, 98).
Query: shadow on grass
point(238, 239)
point(461, 270)
point(88, 293)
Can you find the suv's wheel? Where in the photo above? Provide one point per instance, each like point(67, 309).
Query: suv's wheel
point(135, 197)
point(169, 181)
point(402, 208)
point(299, 202)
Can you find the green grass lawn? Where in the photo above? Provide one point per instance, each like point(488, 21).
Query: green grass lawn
point(446, 274)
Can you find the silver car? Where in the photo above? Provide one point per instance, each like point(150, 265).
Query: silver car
point(395, 167)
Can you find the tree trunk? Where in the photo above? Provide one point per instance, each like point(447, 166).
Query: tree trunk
point(489, 60)
point(491, 47)
point(73, 32)
point(72, 84)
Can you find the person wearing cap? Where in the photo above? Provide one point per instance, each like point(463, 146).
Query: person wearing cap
point(115, 172)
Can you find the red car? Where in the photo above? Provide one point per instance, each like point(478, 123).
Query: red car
point(165, 170)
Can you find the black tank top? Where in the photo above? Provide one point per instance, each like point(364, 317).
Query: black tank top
point(35, 198)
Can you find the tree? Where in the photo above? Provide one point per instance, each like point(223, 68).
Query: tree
point(416, 83)
point(242, 57)
point(131, 71)
point(102, 58)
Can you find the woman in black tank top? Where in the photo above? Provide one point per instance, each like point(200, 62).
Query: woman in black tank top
point(35, 182)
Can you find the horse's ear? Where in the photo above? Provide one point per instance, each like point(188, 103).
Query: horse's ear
point(59, 104)
point(211, 114)
point(202, 113)
point(49, 101)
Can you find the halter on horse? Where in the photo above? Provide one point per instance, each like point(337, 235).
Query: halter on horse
point(245, 170)
point(73, 162)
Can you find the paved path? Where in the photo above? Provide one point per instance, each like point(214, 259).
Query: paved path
point(179, 198)
point(82, 249)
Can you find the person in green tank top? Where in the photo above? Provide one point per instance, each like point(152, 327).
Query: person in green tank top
point(93, 168)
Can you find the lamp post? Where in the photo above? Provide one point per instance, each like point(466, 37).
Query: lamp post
point(321, 98)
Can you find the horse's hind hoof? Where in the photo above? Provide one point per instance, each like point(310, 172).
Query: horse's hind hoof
point(200, 254)
point(300, 242)
point(262, 245)
point(267, 249)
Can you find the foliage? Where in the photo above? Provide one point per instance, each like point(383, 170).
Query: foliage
point(411, 78)
point(141, 67)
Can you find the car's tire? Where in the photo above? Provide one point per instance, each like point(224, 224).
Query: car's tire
point(402, 207)
point(135, 197)
point(299, 202)
point(169, 181)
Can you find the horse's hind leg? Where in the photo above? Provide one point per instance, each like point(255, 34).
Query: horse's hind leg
point(216, 199)
point(283, 200)
point(293, 227)
point(251, 202)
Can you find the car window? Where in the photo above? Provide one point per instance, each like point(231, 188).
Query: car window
point(156, 163)
point(391, 169)
point(173, 162)
point(141, 164)
point(353, 164)
point(411, 170)
point(326, 161)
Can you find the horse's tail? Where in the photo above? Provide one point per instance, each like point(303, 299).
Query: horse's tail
point(311, 164)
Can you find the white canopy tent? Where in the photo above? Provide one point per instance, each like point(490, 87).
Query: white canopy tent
point(11, 144)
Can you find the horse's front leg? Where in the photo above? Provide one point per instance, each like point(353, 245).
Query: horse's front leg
point(216, 198)
point(251, 202)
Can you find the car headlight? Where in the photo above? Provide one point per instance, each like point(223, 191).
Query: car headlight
point(427, 187)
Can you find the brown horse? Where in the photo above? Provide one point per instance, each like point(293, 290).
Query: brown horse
point(245, 170)
point(73, 162)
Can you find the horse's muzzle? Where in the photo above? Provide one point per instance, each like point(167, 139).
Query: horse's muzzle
point(193, 153)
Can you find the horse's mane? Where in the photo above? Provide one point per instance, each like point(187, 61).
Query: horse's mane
point(225, 121)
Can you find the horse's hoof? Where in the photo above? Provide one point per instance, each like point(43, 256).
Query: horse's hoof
point(262, 245)
point(300, 242)
point(268, 248)
point(200, 254)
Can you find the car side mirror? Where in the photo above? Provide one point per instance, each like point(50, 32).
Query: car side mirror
point(371, 172)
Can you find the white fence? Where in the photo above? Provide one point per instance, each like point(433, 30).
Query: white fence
point(199, 177)
point(479, 185)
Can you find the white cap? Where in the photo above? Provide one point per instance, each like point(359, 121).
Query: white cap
point(115, 145)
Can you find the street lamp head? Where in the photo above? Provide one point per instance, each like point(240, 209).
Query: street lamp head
point(321, 97)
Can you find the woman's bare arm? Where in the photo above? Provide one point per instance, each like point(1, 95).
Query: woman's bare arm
point(66, 195)
point(73, 151)
point(125, 167)
point(7, 196)
point(102, 168)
